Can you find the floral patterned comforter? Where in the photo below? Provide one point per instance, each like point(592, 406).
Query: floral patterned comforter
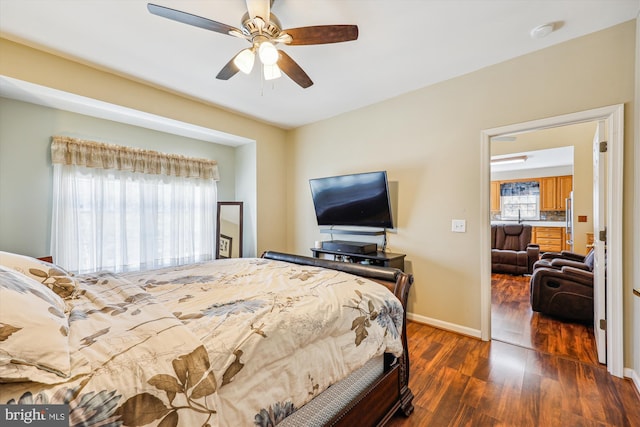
point(224, 343)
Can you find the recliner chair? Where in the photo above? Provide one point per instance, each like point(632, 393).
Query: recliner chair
point(511, 249)
point(562, 285)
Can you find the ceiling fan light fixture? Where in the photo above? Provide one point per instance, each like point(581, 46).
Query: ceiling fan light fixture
point(244, 60)
point(268, 53)
point(263, 30)
point(271, 72)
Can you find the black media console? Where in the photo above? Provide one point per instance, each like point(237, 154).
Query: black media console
point(384, 259)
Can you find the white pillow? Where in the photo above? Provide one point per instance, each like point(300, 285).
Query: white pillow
point(33, 331)
point(52, 276)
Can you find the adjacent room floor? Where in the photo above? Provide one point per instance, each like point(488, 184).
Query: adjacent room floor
point(513, 322)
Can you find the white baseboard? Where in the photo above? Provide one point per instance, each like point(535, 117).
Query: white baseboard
point(475, 333)
point(634, 376)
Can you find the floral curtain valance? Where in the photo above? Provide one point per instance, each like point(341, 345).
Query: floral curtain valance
point(73, 151)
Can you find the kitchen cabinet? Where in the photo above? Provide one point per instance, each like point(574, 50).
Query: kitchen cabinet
point(564, 186)
point(548, 199)
point(554, 190)
point(495, 196)
point(550, 239)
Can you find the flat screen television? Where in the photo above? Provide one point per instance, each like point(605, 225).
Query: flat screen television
point(353, 200)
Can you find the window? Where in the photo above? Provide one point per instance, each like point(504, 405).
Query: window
point(123, 220)
point(520, 200)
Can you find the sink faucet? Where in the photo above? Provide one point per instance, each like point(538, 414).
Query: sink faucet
point(519, 219)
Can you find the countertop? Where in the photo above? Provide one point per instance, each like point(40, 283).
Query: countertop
point(535, 223)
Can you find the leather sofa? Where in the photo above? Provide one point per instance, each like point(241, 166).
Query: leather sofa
point(562, 285)
point(511, 249)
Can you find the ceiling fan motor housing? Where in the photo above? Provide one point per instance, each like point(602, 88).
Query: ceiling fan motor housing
point(251, 28)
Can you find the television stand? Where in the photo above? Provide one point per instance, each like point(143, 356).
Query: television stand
point(379, 258)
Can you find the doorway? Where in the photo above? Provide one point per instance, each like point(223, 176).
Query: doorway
point(613, 116)
point(559, 161)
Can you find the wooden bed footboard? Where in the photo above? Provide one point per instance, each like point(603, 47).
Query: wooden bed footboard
point(390, 393)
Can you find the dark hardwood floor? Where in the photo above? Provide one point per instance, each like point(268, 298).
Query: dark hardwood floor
point(513, 321)
point(537, 371)
point(463, 381)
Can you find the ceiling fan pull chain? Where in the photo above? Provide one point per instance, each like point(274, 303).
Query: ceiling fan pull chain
point(262, 81)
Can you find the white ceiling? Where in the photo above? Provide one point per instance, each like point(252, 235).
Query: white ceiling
point(547, 158)
point(403, 45)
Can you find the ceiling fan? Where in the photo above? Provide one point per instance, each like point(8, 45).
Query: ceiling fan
point(262, 29)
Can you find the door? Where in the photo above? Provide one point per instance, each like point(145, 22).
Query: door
point(599, 233)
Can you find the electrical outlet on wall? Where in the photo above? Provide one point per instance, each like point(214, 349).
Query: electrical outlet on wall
point(458, 225)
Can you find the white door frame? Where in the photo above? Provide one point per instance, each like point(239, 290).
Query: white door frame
point(614, 116)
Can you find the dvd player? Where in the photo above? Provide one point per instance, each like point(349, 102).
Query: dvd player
point(349, 247)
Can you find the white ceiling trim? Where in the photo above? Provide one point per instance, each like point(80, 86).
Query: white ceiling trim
point(53, 98)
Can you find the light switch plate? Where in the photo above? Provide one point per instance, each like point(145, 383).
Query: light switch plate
point(458, 225)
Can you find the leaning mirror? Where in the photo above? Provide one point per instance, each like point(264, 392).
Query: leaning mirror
point(229, 237)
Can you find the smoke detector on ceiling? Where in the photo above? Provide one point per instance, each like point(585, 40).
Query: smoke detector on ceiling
point(542, 30)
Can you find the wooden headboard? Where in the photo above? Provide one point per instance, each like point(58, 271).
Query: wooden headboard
point(396, 280)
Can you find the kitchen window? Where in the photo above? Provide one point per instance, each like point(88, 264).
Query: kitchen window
point(520, 200)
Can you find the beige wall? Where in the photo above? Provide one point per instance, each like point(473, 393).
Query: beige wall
point(580, 137)
point(34, 66)
point(429, 141)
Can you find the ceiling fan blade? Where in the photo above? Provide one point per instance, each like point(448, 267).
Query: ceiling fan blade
point(293, 70)
point(261, 8)
point(322, 34)
point(229, 70)
point(187, 18)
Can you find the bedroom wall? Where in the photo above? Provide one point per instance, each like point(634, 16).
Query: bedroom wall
point(26, 172)
point(245, 190)
point(46, 69)
point(429, 142)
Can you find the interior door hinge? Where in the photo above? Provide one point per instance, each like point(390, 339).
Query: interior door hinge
point(603, 236)
point(603, 324)
point(603, 146)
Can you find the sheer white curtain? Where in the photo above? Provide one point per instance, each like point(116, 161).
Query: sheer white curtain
point(123, 217)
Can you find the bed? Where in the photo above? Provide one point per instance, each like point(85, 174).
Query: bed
point(281, 339)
